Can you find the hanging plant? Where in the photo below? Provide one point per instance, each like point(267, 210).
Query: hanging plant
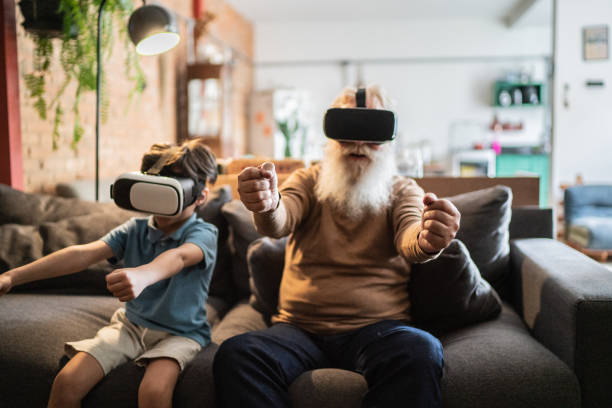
point(78, 39)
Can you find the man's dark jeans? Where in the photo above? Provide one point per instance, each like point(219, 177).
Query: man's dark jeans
point(401, 364)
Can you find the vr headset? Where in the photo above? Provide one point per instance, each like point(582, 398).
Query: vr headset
point(360, 123)
point(155, 194)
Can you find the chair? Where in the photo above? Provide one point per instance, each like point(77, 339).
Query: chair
point(588, 219)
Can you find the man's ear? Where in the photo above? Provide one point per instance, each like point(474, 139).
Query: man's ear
point(201, 200)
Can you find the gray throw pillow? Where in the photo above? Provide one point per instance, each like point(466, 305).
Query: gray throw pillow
point(31, 242)
point(242, 233)
point(266, 260)
point(221, 284)
point(448, 292)
point(485, 220)
point(18, 207)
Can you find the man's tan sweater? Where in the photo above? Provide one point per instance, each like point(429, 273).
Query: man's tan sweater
point(341, 273)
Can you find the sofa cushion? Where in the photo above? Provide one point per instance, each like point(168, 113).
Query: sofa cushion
point(591, 232)
point(492, 364)
point(448, 292)
point(266, 260)
point(485, 218)
point(18, 207)
point(242, 233)
point(21, 244)
point(221, 283)
point(32, 335)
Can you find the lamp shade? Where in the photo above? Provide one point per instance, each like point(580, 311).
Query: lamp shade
point(153, 29)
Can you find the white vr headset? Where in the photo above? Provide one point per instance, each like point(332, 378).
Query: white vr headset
point(154, 194)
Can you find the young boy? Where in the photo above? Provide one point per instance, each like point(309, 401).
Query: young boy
point(168, 263)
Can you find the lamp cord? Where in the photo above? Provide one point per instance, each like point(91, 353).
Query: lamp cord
point(98, 96)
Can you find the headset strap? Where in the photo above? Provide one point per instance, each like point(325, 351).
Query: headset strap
point(361, 98)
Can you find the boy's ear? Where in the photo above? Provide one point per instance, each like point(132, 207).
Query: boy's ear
point(203, 197)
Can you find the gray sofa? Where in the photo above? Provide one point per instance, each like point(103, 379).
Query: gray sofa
point(549, 347)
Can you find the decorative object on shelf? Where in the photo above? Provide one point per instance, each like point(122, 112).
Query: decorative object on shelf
point(510, 94)
point(153, 30)
point(71, 21)
point(595, 42)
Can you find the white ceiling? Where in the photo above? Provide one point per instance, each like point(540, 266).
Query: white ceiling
point(258, 11)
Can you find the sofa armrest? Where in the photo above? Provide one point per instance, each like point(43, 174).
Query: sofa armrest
point(240, 319)
point(566, 300)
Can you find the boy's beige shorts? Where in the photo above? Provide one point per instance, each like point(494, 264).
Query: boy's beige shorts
point(123, 340)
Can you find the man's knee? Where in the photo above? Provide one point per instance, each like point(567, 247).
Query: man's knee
point(415, 350)
point(427, 351)
point(234, 352)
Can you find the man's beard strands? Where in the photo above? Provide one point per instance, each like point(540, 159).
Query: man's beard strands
point(360, 186)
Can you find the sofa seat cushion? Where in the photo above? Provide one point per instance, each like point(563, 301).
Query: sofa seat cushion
point(492, 364)
point(591, 232)
point(32, 335)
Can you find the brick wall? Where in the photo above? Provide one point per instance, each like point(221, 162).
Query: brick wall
point(131, 127)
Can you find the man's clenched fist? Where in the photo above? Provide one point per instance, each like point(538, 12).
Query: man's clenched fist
point(258, 188)
point(440, 223)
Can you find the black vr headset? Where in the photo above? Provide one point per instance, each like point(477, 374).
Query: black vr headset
point(360, 123)
point(155, 194)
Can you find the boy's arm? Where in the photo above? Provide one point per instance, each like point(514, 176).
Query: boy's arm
point(68, 260)
point(127, 283)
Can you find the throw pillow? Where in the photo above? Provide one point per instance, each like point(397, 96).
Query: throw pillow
point(30, 242)
point(449, 292)
point(266, 260)
point(242, 233)
point(485, 219)
point(221, 283)
point(18, 207)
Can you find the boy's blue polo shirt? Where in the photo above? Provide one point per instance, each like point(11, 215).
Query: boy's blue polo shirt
point(178, 304)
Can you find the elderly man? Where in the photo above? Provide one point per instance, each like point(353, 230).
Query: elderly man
point(354, 227)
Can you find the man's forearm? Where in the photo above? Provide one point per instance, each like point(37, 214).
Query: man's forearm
point(272, 223)
point(409, 245)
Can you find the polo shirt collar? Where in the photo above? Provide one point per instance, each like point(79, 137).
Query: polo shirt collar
point(155, 234)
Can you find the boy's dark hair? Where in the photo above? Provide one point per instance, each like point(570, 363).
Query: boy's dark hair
point(192, 159)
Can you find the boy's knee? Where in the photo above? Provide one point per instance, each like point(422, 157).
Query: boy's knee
point(151, 395)
point(64, 390)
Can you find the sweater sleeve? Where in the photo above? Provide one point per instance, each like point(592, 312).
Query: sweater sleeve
point(296, 201)
point(407, 213)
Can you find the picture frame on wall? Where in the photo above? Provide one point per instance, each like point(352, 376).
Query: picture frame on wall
point(595, 42)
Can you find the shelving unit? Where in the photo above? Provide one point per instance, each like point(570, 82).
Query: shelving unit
point(518, 94)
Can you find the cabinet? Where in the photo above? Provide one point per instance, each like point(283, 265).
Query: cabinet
point(511, 165)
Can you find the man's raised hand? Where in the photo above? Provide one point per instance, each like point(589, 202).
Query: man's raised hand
point(258, 188)
point(440, 223)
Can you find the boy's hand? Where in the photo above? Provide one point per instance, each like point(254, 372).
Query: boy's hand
point(6, 283)
point(126, 284)
point(258, 188)
point(440, 223)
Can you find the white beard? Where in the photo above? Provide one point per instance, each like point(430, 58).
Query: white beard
point(356, 187)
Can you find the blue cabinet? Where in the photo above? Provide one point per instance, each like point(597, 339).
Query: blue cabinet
point(512, 165)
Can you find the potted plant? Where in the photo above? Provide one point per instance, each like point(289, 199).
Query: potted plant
point(77, 41)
